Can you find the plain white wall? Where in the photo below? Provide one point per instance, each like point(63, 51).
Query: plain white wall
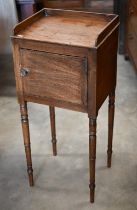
point(8, 18)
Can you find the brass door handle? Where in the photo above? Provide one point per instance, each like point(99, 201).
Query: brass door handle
point(24, 72)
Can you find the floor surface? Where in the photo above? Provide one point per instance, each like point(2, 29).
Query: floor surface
point(61, 183)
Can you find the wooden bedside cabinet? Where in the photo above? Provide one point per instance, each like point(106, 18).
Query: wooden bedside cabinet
point(67, 59)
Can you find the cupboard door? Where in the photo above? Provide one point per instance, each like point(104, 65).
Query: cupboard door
point(59, 77)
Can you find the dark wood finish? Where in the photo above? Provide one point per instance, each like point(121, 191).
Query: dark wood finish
point(111, 110)
point(131, 32)
point(103, 90)
point(58, 58)
point(53, 129)
point(26, 136)
point(92, 156)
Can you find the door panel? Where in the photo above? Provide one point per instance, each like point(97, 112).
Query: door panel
point(54, 76)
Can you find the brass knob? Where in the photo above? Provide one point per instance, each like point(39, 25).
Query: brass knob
point(24, 72)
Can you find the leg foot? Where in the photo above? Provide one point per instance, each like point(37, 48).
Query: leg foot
point(92, 156)
point(111, 110)
point(53, 130)
point(26, 136)
point(126, 57)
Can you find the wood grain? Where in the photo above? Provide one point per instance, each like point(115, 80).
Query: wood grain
point(54, 76)
point(69, 27)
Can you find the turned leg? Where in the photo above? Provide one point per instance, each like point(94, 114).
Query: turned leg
point(111, 110)
point(26, 136)
point(53, 129)
point(92, 156)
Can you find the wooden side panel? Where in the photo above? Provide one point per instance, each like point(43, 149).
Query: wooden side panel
point(106, 67)
point(107, 30)
point(53, 76)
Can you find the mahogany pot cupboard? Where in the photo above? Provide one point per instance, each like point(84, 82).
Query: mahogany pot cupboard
point(67, 59)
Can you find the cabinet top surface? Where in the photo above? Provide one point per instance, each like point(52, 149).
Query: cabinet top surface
point(74, 28)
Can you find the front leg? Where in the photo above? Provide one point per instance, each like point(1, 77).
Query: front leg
point(26, 136)
point(111, 111)
point(92, 156)
point(53, 129)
